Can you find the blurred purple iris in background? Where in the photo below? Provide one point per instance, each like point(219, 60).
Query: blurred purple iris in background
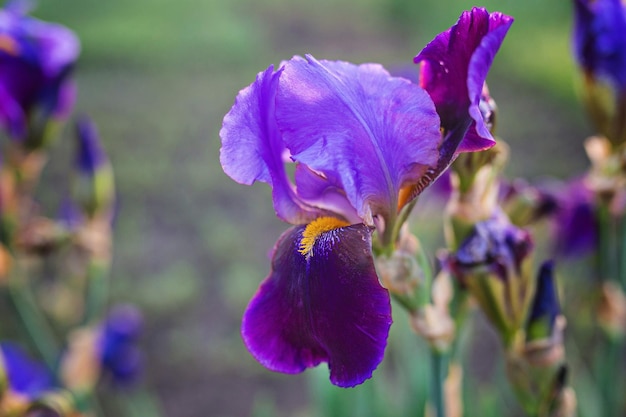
point(364, 145)
point(600, 49)
point(121, 356)
point(25, 375)
point(36, 60)
point(600, 40)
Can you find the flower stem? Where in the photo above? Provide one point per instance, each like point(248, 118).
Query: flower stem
point(35, 324)
point(612, 267)
point(97, 291)
point(439, 367)
point(606, 245)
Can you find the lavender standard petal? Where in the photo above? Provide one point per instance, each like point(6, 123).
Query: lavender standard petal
point(454, 68)
point(253, 149)
point(373, 132)
point(326, 307)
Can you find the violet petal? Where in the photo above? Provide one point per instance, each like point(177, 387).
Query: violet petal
point(373, 132)
point(454, 68)
point(252, 147)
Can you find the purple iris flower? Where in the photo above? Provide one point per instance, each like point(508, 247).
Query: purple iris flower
point(25, 375)
point(359, 138)
point(575, 226)
point(600, 48)
point(494, 246)
point(36, 59)
point(599, 40)
point(120, 354)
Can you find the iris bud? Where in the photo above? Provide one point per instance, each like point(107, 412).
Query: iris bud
point(493, 264)
point(545, 308)
point(475, 187)
point(93, 186)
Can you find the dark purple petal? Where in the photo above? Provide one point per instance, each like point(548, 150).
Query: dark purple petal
point(25, 375)
point(545, 306)
point(253, 149)
point(599, 39)
point(454, 68)
point(372, 132)
point(90, 155)
point(324, 306)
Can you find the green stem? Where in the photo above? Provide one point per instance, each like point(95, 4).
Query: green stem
point(97, 290)
point(622, 252)
point(612, 267)
point(35, 324)
point(606, 245)
point(439, 366)
point(609, 383)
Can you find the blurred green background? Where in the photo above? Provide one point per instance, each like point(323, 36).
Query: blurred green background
point(191, 246)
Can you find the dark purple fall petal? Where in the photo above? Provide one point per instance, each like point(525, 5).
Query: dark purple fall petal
point(454, 68)
point(325, 307)
point(371, 132)
point(253, 149)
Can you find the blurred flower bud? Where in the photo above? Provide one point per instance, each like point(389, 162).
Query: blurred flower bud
point(80, 365)
point(402, 276)
point(541, 390)
point(574, 224)
point(41, 236)
point(107, 351)
point(433, 321)
point(93, 186)
point(538, 372)
point(606, 177)
point(525, 204)
point(600, 49)
point(612, 310)
point(565, 404)
point(36, 60)
point(58, 403)
point(475, 191)
point(545, 305)
point(493, 264)
point(8, 206)
point(120, 354)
